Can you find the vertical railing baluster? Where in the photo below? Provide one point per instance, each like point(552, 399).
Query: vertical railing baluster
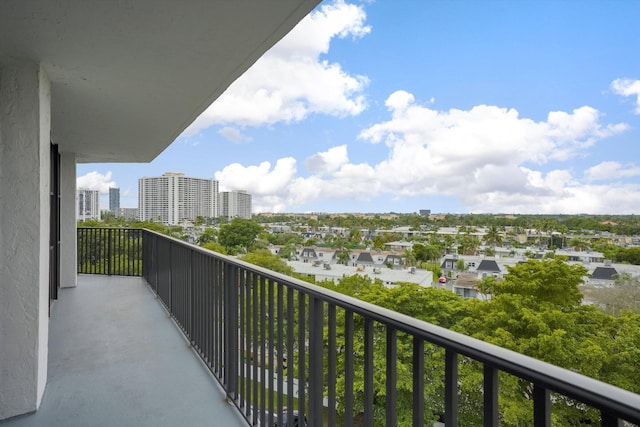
point(391, 356)
point(248, 344)
point(280, 349)
point(541, 406)
point(608, 420)
point(109, 252)
point(302, 344)
point(290, 351)
point(368, 372)
point(263, 358)
point(451, 388)
point(490, 396)
point(316, 360)
point(217, 317)
point(241, 339)
point(231, 331)
point(270, 356)
point(417, 361)
point(209, 316)
point(348, 368)
point(255, 351)
point(331, 365)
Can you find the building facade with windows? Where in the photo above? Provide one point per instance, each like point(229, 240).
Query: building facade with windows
point(127, 213)
point(88, 204)
point(114, 199)
point(235, 204)
point(173, 198)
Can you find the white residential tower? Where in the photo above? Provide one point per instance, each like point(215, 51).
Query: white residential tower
point(173, 198)
point(235, 204)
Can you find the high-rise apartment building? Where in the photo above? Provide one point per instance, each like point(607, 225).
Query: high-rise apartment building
point(127, 213)
point(173, 198)
point(235, 204)
point(88, 204)
point(114, 199)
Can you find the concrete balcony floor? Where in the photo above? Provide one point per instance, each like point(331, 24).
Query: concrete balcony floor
point(117, 359)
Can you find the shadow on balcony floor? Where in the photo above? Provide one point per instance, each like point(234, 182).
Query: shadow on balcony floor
point(117, 359)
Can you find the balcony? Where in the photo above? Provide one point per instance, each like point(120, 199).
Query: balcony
point(275, 345)
point(117, 359)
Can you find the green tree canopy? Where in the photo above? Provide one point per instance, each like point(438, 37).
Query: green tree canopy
point(266, 259)
point(548, 280)
point(208, 235)
point(215, 247)
point(239, 234)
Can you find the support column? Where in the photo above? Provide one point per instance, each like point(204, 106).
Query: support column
point(68, 233)
point(25, 122)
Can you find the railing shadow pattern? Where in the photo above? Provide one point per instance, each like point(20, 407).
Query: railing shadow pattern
point(282, 347)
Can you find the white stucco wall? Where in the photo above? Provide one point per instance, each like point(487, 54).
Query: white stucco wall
point(68, 238)
point(25, 118)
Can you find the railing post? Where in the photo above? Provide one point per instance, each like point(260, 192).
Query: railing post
point(490, 396)
point(316, 360)
point(609, 420)
point(418, 381)
point(231, 331)
point(368, 372)
point(541, 406)
point(392, 356)
point(109, 266)
point(451, 388)
point(348, 368)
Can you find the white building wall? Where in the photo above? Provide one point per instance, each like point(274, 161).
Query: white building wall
point(24, 235)
point(68, 224)
point(88, 206)
point(235, 204)
point(174, 198)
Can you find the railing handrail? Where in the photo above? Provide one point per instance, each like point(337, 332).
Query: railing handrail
point(571, 384)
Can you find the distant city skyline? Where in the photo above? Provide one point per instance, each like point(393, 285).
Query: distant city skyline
point(395, 105)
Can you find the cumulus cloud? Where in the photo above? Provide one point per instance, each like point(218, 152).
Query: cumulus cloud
point(488, 157)
point(261, 179)
point(607, 171)
point(234, 135)
point(628, 87)
point(291, 80)
point(328, 161)
point(453, 150)
point(96, 181)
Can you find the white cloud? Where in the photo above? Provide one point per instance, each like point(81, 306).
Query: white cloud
point(291, 80)
point(606, 171)
point(628, 87)
point(260, 179)
point(96, 181)
point(488, 157)
point(234, 135)
point(329, 161)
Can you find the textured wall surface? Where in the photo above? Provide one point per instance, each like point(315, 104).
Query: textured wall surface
point(68, 238)
point(24, 235)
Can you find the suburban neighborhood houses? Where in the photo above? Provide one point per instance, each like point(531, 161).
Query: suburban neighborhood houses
point(457, 258)
point(465, 255)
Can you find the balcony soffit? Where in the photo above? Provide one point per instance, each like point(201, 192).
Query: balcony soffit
point(127, 77)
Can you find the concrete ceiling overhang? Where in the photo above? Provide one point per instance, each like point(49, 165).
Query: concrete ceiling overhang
point(127, 77)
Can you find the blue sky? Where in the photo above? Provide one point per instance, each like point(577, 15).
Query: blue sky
point(454, 106)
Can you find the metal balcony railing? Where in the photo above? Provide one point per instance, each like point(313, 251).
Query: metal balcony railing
point(282, 347)
point(110, 251)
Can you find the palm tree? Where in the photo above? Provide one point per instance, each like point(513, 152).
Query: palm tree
point(469, 244)
point(493, 236)
point(409, 258)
